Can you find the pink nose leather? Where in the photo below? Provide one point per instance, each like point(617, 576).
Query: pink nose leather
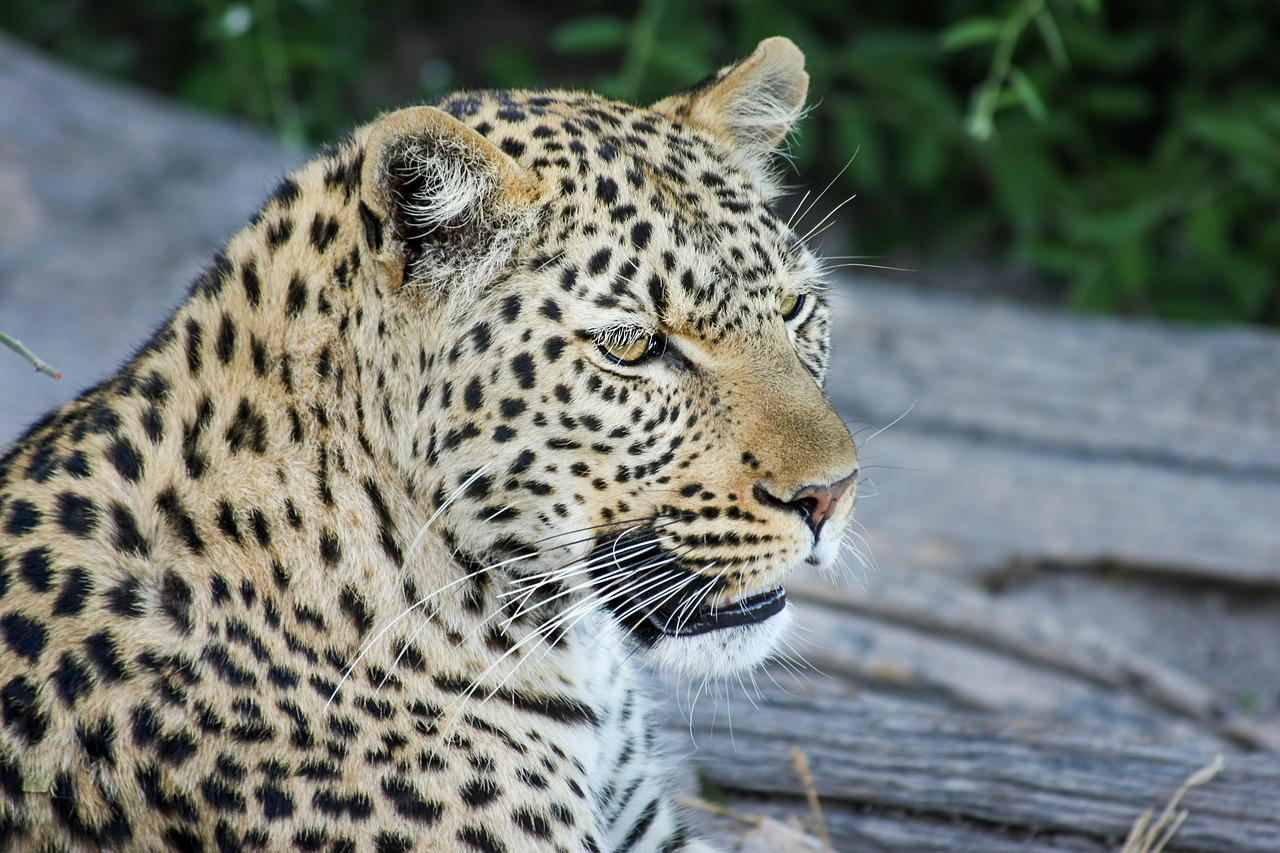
point(818, 503)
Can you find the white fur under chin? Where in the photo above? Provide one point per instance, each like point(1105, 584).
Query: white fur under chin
point(717, 654)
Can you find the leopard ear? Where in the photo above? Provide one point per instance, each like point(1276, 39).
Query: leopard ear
point(441, 204)
point(752, 104)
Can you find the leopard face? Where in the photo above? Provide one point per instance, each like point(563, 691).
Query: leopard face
point(629, 416)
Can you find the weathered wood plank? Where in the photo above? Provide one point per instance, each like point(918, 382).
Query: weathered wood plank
point(927, 633)
point(920, 769)
point(1033, 434)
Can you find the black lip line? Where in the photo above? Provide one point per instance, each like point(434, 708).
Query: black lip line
point(705, 619)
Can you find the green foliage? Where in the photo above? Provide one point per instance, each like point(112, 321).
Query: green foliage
point(1128, 152)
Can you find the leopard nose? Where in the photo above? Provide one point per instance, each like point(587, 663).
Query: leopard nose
point(815, 503)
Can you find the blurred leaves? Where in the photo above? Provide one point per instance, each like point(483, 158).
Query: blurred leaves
point(1129, 152)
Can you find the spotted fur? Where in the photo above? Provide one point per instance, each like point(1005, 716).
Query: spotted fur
point(355, 552)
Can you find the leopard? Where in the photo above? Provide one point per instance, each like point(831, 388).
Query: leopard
point(494, 406)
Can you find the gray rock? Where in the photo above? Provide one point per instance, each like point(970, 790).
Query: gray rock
point(111, 202)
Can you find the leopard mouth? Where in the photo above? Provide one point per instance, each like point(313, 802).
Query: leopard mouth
point(676, 620)
point(652, 596)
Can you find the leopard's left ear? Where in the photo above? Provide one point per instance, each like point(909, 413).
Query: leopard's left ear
point(441, 205)
point(752, 104)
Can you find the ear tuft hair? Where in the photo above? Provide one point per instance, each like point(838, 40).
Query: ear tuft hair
point(753, 104)
point(455, 203)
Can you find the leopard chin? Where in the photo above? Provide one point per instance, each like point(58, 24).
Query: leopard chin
point(722, 652)
point(682, 620)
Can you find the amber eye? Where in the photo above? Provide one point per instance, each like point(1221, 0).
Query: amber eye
point(792, 305)
point(630, 349)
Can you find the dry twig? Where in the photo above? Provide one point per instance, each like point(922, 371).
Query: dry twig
point(18, 347)
point(1153, 838)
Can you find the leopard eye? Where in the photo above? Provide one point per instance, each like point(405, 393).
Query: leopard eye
point(792, 305)
point(629, 350)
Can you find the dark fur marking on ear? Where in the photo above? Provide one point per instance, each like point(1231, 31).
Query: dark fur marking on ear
point(372, 228)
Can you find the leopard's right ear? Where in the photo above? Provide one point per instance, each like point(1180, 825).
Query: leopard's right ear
point(439, 202)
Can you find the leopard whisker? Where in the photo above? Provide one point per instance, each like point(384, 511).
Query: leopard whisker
point(368, 645)
point(819, 196)
point(826, 221)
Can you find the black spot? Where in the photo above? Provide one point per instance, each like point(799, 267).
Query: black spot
point(77, 515)
point(44, 462)
point(219, 590)
point(252, 284)
point(473, 396)
point(128, 538)
point(36, 568)
point(330, 549)
point(76, 588)
point(23, 711)
point(125, 598)
point(387, 841)
point(180, 520)
point(357, 805)
point(278, 232)
point(213, 279)
point(258, 356)
point(111, 827)
point(550, 310)
point(124, 456)
point(522, 367)
point(72, 679)
point(103, 652)
point(25, 637)
point(275, 801)
point(521, 463)
point(24, 517)
point(261, 529)
point(285, 193)
point(311, 839)
point(511, 308)
point(606, 190)
point(658, 294)
point(247, 429)
point(171, 747)
point(512, 147)
point(480, 792)
point(182, 838)
point(195, 337)
point(599, 262)
point(409, 802)
point(226, 520)
point(196, 461)
point(225, 345)
point(531, 823)
point(511, 407)
point(77, 465)
point(323, 230)
point(175, 601)
point(221, 795)
point(553, 348)
point(353, 605)
point(559, 708)
point(98, 740)
point(296, 297)
point(219, 657)
point(167, 801)
point(640, 234)
point(480, 839)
